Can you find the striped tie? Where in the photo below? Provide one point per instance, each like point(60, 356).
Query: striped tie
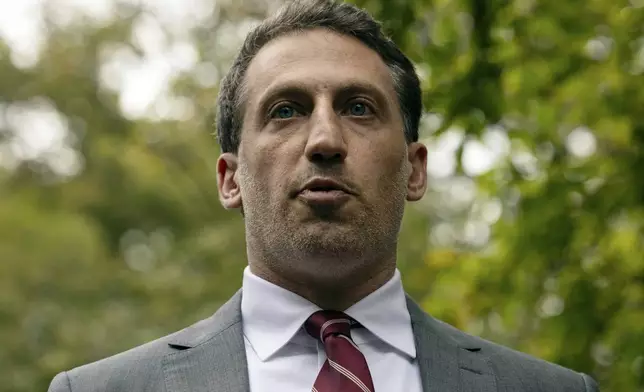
point(345, 369)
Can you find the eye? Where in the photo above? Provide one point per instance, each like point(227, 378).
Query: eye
point(359, 109)
point(284, 112)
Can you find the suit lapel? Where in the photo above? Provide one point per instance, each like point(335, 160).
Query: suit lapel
point(210, 355)
point(448, 359)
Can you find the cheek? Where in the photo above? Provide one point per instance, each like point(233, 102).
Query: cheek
point(391, 172)
point(382, 159)
point(256, 156)
point(269, 166)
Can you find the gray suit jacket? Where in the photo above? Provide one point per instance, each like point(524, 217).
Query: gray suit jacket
point(210, 356)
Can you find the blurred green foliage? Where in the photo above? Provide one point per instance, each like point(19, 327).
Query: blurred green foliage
point(117, 237)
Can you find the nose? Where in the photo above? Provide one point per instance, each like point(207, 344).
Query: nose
point(326, 143)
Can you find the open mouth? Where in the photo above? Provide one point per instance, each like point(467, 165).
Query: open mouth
point(323, 189)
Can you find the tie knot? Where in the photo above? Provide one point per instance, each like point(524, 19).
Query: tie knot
point(324, 323)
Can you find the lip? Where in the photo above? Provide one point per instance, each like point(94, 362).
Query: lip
point(324, 192)
point(324, 198)
point(328, 183)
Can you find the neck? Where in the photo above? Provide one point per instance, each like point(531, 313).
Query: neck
point(338, 294)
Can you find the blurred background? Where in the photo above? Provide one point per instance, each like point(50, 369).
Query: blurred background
point(531, 234)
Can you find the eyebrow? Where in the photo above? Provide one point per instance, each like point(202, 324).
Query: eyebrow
point(300, 89)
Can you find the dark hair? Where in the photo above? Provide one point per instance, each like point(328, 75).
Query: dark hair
point(299, 15)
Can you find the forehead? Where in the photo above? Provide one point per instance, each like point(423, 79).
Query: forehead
point(319, 59)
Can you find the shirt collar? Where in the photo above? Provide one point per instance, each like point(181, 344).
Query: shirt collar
point(384, 313)
point(272, 315)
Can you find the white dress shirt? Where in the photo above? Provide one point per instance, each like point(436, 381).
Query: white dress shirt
point(283, 357)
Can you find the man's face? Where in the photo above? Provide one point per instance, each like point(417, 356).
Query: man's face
point(323, 168)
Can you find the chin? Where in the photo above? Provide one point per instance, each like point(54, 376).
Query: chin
point(331, 239)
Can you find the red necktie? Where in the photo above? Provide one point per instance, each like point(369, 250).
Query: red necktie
point(345, 369)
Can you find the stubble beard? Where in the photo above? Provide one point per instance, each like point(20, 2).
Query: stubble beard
point(331, 253)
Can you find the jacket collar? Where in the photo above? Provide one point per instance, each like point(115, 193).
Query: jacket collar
point(449, 359)
point(210, 355)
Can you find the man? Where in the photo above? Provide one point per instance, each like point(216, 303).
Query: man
point(318, 123)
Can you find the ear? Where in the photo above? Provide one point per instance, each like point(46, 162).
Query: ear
point(229, 191)
point(417, 180)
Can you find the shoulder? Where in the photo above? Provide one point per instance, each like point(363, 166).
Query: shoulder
point(514, 369)
point(139, 365)
point(141, 368)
